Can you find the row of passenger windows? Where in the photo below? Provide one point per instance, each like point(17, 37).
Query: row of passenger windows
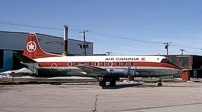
point(103, 63)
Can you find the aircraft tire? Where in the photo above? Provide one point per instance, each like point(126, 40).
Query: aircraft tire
point(113, 82)
point(159, 84)
point(102, 83)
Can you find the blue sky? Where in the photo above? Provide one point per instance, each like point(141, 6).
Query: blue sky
point(123, 27)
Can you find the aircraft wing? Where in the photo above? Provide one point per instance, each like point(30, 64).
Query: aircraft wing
point(92, 70)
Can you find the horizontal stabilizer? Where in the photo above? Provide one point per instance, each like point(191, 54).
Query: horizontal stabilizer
point(23, 58)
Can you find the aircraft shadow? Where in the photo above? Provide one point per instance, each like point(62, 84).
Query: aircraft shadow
point(147, 85)
point(119, 86)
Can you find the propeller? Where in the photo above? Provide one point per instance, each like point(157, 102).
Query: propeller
point(130, 77)
point(129, 70)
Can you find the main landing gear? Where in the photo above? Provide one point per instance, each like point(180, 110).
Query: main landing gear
point(102, 81)
point(159, 83)
point(130, 78)
point(112, 82)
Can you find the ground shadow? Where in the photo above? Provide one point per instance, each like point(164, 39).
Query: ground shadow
point(119, 86)
point(143, 85)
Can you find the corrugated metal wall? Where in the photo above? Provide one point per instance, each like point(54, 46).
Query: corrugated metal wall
point(10, 41)
point(16, 41)
point(8, 60)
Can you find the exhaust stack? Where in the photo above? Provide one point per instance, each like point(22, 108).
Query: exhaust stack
point(65, 44)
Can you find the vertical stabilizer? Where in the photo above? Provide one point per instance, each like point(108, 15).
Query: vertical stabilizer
point(33, 50)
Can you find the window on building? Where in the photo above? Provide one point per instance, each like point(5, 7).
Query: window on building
point(184, 61)
point(174, 60)
point(1, 58)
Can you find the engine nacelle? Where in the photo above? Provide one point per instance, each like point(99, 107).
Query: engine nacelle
point(125, 71)
point(117, 70)
point(133, 73)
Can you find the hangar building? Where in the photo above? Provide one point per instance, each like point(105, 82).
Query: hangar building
point(190, 64)
point(15, 41)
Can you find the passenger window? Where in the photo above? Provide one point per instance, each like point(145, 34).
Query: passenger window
point(82, 63)
point(96, 63)
point(103, 63)
point(124, 63)
point(117, 63)
point(69, 64)
point(90, 63)
point(76, 63)
point(132, 64)
point(110, 63)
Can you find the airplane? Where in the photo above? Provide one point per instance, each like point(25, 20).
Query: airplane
point(103, 68)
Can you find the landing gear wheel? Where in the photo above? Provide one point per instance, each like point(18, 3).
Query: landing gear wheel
point(113, 82)
point(102, 83)
point(131, 78)
point(159, 84)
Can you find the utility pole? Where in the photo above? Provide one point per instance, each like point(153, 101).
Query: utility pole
point(65, 43)
point(182, 50)
point(166, 47)
point(108, 53)
point(85, 45)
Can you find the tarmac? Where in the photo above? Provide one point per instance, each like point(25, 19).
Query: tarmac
point(89, 97)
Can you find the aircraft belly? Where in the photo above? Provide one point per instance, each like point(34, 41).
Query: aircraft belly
point(59, 72)
point(156, 72)
point(116, 75)
point(47, 72)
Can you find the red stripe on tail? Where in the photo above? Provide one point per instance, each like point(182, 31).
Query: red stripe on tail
point(33, 50)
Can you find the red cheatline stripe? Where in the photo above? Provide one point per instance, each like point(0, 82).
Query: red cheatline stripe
point(106, 64)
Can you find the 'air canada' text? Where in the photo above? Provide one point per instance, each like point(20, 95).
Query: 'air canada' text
point(120, 59)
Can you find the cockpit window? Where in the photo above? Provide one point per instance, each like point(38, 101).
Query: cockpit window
point(165, 61)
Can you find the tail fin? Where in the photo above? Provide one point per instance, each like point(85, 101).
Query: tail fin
point(33, 50)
